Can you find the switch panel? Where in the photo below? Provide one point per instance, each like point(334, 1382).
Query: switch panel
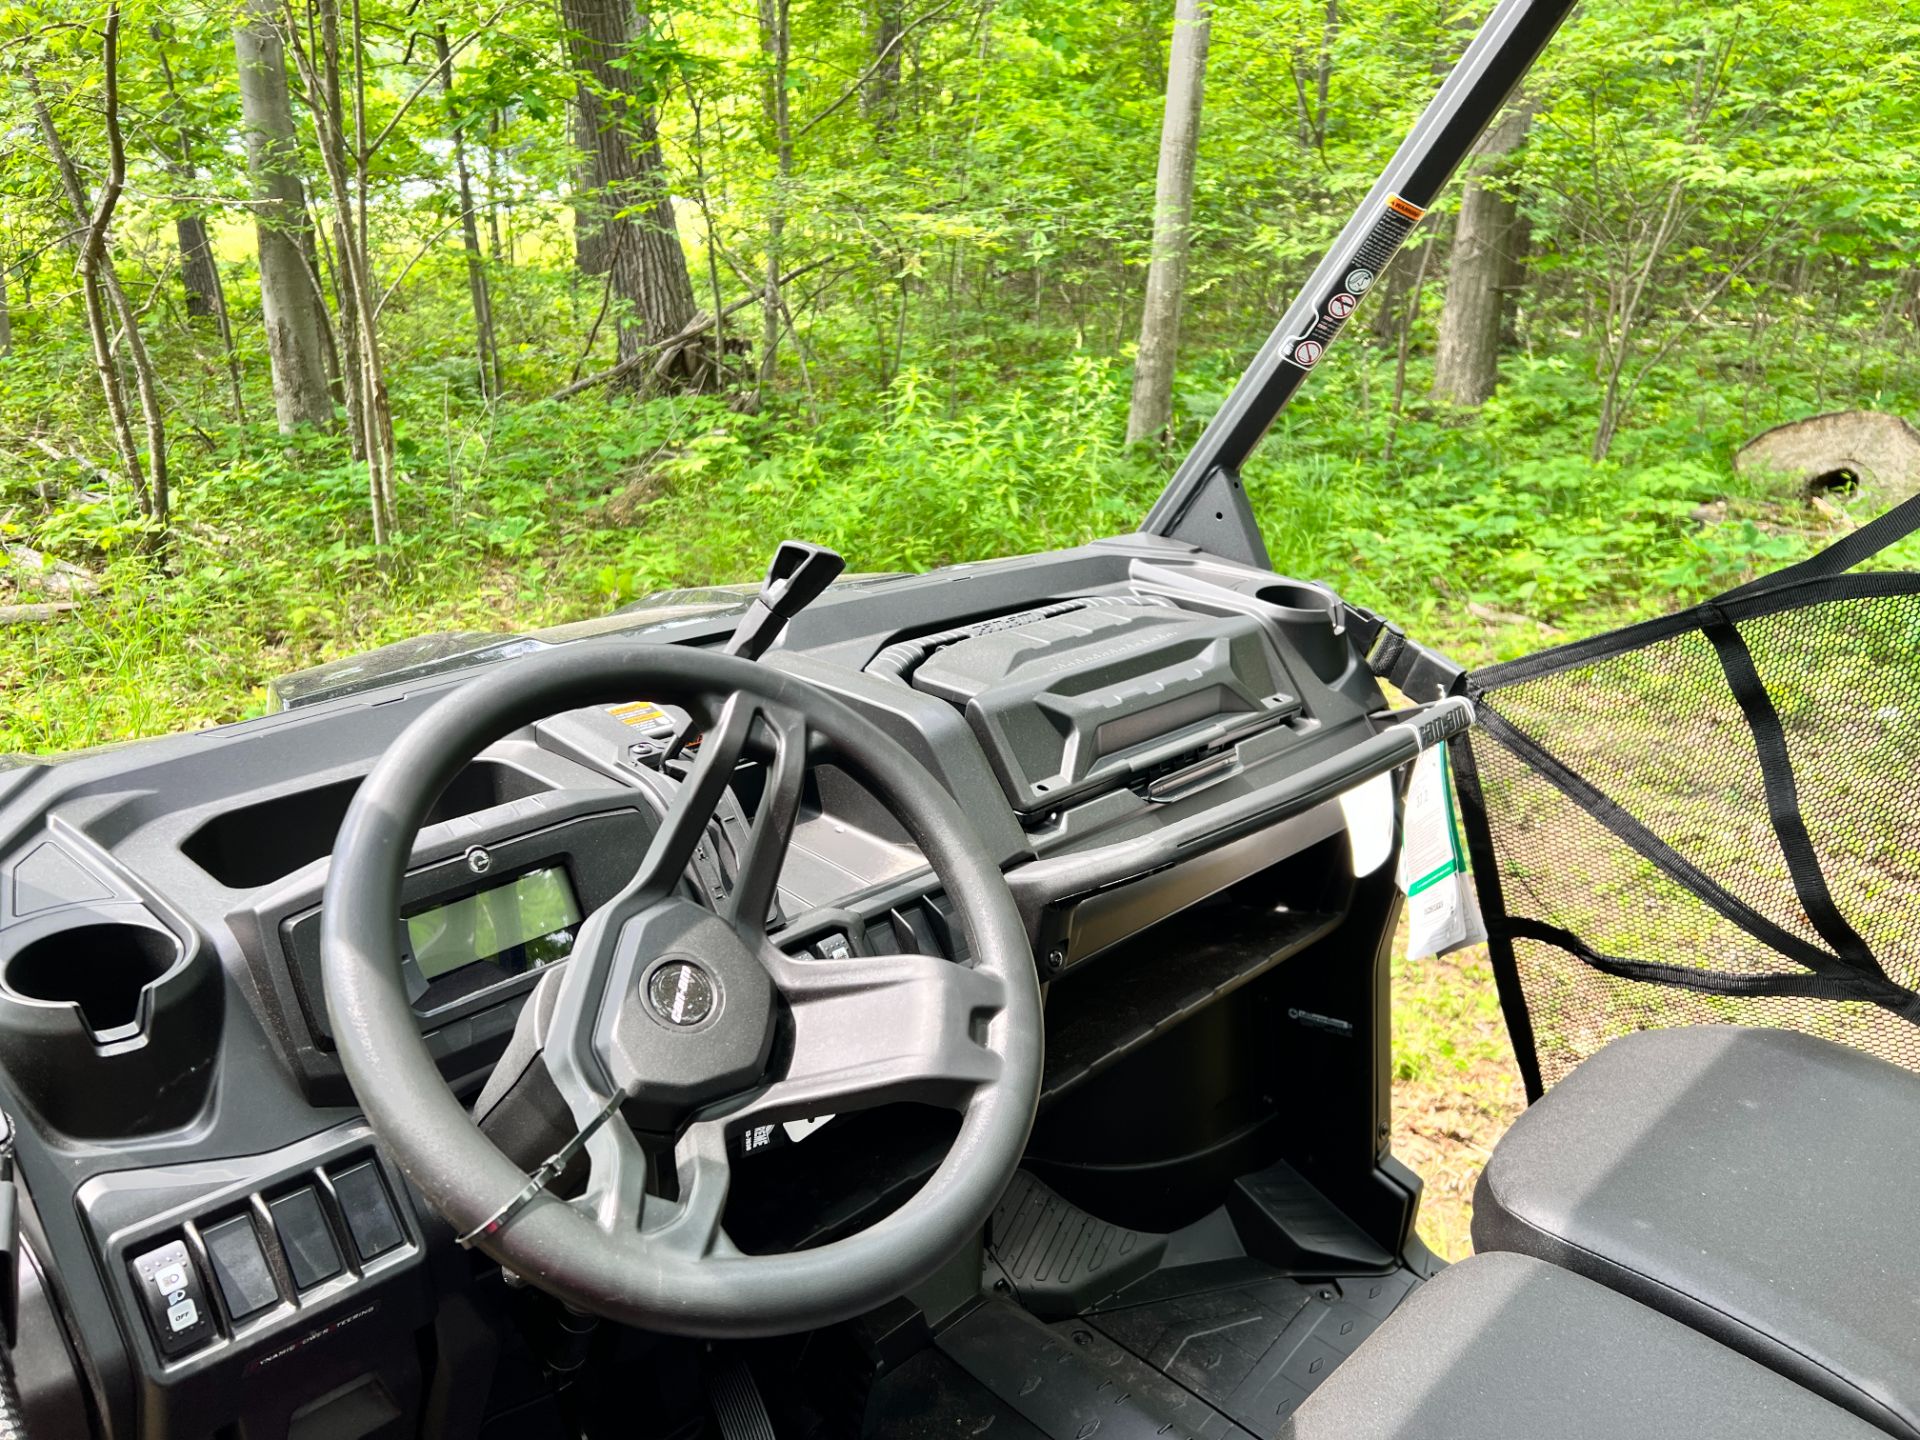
point(174, 1297)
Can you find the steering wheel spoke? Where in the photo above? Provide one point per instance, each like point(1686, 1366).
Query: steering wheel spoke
point(870, 1030)
point(756, 883)
point(691, 1224)
point(693, 809)
point(616, 1194)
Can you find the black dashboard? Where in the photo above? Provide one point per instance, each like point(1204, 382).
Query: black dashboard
point(1134, 728)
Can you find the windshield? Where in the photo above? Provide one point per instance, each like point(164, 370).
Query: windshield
point(349, 323)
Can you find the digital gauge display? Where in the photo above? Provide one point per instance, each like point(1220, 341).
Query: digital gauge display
point(520, 925)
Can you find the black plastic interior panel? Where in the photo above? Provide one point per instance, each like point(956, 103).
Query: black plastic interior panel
point(1069, 701)
point(1146, 986)
point(1254, 1349)
point(1289, 1220)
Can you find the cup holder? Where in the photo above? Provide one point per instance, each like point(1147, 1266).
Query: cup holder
point(104, 969)
point(1305, 612)
point(109, 1021)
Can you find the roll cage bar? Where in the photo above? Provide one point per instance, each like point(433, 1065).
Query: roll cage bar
point(1205, 503)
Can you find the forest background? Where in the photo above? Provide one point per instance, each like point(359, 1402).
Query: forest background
point(324, 323)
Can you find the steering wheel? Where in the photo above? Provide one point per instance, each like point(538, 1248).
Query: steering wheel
point(694, 1016)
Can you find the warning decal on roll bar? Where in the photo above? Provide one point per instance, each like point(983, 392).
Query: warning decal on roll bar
point(1363, 267)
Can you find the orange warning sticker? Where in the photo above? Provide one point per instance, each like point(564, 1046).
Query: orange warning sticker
point(1404, 207)
point(637, 712)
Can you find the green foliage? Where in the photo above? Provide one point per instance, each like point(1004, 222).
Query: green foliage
point(954, 384)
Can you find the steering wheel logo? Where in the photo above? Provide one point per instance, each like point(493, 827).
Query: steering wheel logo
point(682, 993)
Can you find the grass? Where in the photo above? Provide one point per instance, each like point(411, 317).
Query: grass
point(1455, 1085)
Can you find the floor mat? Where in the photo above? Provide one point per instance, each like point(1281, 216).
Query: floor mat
point(1225, 1350)
point(1250, 1350)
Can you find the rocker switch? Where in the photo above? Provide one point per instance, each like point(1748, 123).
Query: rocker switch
point(369, 1214)
point(174, 1297)
point(307, 1238)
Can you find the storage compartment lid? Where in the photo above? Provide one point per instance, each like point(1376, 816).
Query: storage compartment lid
point(1069, 701)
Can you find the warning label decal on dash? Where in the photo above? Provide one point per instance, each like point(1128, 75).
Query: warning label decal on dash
point(1376, 248)
point(637, 713)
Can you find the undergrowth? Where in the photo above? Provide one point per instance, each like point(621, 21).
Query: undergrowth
point(1491, 533)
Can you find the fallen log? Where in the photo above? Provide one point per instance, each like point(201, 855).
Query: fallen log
point(33, 614)
point(1844, 450)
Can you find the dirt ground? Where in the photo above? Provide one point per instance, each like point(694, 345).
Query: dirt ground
point(1456, 1088)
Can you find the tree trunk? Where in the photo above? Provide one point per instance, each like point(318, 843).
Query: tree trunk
point(97, 275)
point(207, 298)
point(882, 99)
point(6, 317)
point(773, 40)
point(485, 350)
point(90, 247)
point(1480, 272)
point(1151, 409)
point(197, 275)
point(287, 297)
point(353, 260)
point(499, 254)
point(632, 205)
point(590, 239)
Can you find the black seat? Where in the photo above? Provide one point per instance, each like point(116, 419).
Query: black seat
point(1505, 1347)
point(1760, 1185)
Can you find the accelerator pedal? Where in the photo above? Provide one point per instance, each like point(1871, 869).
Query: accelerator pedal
point(737, 1407)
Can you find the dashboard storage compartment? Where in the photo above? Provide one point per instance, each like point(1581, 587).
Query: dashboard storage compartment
point(263, 842)
point(1088, 694)
point(106, 1020)
point(1173, 969)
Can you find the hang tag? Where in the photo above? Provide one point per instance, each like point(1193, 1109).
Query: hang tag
point(1368, 811)
point(1443, 913)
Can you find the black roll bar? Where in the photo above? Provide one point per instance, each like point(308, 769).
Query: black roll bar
point(1204, 503)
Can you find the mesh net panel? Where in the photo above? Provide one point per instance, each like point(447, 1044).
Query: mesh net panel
point(1626, 799)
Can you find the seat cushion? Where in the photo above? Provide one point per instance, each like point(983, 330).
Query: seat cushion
point(1760, 1185)
point(1506, 1347)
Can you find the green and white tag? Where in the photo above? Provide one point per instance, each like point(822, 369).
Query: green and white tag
point(1442, 912)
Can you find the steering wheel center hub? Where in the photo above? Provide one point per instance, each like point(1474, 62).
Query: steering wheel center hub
point(689, 1014)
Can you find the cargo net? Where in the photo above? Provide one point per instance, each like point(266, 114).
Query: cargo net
point(1712, 818)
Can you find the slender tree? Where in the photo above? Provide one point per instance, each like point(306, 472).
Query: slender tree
point(1151, 409)
point(775, 39)
point(886, 22)
point(100, 283)
point(486, 351)
point(1480, 271)
point(206, 297)
point(287, 284)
